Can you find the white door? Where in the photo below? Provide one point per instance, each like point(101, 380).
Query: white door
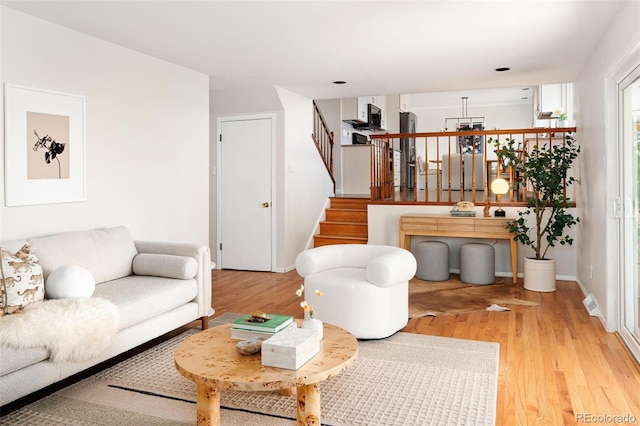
point(630, 259)
point(245, 193)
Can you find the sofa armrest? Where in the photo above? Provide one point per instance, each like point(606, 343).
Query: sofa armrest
point(200, 253)
point(391, 268)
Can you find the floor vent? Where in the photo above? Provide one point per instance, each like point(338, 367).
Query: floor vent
point(591, 305)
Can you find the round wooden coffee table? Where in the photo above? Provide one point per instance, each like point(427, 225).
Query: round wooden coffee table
point(211, 360)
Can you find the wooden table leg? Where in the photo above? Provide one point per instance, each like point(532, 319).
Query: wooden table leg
point(308, 405)
point(208, 404)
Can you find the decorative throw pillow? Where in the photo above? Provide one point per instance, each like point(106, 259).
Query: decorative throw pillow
point(69, 281)
point(165, 265)
point(21, 282)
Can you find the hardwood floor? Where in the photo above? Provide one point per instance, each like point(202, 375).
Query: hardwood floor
point(558, 366)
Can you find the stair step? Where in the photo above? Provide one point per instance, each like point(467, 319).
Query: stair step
point(324, 240)
point(346, 215)
point(344, 228)
point(349, 203)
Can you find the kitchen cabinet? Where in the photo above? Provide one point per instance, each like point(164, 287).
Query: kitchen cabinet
point(354, 110)
point(404, 103)
point(547, 99)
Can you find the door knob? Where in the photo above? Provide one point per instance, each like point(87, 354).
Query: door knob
point(265, 205)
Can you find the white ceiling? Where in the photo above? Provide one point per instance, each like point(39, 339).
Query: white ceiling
point(383, 47)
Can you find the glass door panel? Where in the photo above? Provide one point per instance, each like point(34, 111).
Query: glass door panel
point(630, 126)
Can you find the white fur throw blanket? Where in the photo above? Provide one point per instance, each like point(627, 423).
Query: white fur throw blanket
point(74, 329)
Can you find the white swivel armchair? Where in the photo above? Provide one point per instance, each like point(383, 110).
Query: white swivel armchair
point(366, 287)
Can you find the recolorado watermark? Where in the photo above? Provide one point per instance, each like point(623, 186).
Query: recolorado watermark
point(605, 418)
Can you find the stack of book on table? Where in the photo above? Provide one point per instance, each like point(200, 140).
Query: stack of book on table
point(243, 329)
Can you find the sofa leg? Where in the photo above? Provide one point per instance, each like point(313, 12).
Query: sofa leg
point(205, 322)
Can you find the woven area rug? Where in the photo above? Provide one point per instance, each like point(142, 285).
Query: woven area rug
point(406, 379)
point(455, 297)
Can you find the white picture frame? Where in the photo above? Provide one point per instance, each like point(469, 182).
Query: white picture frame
point(53, 171)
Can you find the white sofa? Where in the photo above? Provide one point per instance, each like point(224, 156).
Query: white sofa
point(366, 287)
point(148, 306)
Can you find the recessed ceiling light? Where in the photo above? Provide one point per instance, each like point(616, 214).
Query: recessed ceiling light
point(502, 69)
point(339, 82)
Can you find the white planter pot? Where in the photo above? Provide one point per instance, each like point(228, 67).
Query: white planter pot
point(539, 275)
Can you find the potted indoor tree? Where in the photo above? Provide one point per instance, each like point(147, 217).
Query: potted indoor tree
point(545, 221)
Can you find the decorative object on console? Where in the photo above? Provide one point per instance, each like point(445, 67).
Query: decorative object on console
point(463, 208)
point(545, 170)
point(499, 187)
point(70, 281)
point(38, 120)
point(22, 280)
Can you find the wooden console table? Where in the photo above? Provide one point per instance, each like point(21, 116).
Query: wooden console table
point(464, 227)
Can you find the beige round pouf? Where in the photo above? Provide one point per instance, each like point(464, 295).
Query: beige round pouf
point(477, 263)
point(433, 260)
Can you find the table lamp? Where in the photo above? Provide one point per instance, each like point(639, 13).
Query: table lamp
point(499, 187)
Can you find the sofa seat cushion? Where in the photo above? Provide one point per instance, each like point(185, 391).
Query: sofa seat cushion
point(14, 359)
point(142, 297)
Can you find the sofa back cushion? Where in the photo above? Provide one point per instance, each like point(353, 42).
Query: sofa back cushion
point(106, 253)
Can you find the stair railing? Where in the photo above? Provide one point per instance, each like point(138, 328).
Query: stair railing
point(443, 169)
point(323, 139)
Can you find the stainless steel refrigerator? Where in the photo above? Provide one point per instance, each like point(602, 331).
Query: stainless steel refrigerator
point(408, 148)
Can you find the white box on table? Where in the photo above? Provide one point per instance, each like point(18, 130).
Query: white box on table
point(290, 348)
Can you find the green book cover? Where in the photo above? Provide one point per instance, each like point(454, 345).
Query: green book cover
point(275, 324)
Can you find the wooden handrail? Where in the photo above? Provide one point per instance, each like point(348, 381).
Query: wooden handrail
point(323, 139)
point(450, 177)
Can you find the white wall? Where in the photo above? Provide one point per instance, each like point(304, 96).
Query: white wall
point(596, 107)
point(496, 116)
point(147, 134)
point(256, 100)
point(302, 183)
point(307, 185)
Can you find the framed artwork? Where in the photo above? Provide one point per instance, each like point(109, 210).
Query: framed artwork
point(44, 146)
